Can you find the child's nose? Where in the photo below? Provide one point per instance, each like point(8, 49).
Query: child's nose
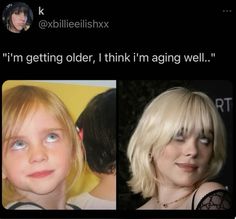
point(37, 154)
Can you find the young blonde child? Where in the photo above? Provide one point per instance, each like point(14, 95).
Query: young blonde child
point(40, 149)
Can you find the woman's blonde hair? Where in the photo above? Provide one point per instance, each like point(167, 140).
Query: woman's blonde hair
point(17, 102)
point(175, 109)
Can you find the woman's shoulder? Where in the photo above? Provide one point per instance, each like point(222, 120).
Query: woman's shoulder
point(149, 205)
point(204, 196)
point(207, 187)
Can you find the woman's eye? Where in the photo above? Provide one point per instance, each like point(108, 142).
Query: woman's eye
point(18, 145)
point(179, 137)
point(205, 141)
point(52, 137)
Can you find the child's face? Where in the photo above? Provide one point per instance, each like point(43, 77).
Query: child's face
point(38, 157)
point(18, 20)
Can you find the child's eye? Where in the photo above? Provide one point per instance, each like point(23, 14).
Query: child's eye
point(52, 137)
point(18, 145)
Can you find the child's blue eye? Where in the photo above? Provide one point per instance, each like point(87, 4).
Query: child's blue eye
point(52, 138)
point(18, 145)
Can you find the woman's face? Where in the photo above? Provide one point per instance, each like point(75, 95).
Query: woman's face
point(184, 161)
point(18, 21)
point(38, 157)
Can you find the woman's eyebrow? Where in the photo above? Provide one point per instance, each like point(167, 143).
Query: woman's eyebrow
point(209, 132)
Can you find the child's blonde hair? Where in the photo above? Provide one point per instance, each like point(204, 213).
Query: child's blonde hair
point(17, 103)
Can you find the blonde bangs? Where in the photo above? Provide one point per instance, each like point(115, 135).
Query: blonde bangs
point(14, 113)
point(183, 111)
point(193, 113)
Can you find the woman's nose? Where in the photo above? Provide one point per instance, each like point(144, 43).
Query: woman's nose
point(23, 17)
point(190, 148)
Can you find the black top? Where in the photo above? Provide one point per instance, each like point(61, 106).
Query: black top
point(216, 200)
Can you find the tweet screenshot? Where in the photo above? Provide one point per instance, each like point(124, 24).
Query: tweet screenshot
point(107, 108)
point(41, 33)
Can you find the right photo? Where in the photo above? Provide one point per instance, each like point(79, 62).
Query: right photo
point(175, 145)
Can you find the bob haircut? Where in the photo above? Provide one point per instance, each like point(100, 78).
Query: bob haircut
point(174, 110)
point(98, 123)
point(17, 103)
point(16, 7)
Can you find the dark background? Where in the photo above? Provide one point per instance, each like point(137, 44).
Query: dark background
point(135, 95)
point(146, 27)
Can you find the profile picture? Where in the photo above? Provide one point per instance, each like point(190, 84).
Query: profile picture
point(17, 17)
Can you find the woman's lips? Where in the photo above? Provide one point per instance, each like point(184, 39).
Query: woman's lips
point(41, 174)
point(187, 167)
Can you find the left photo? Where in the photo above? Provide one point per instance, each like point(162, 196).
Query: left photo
point(59, 145)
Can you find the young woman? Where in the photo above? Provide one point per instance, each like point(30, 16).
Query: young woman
point(17, 17)
point(177, 147)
